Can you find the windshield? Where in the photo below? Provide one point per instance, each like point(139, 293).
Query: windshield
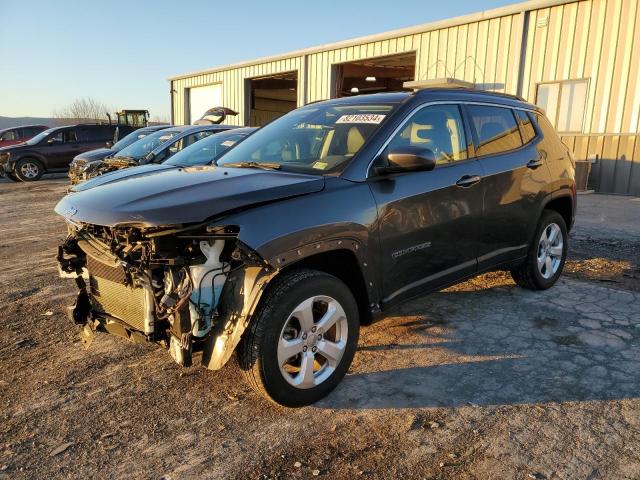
point(142, 147)
point(41, 136)
point(207, 150)
point(316, 139)
point(129, 139)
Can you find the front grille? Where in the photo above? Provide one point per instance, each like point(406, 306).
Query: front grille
point(111, 296)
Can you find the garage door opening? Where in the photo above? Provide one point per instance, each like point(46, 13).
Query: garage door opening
point(374, 75)
point(202, 99)
point(271, 97)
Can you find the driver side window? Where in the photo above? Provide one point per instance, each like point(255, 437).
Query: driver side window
point(64, 136)
point(438, 128)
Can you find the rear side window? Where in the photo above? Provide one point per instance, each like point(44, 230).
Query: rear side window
point(98, 133)
point(526, 127)
point(9, 135)
point(496, 129)
point(548, 131)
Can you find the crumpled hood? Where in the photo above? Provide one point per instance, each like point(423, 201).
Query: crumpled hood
point(182, 195)
point(97, 154)
point(122, 174)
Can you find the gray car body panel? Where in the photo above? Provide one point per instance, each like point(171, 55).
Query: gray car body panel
point(179, 196)
point(119, 175)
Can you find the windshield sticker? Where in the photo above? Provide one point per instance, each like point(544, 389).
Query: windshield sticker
point(361, 118)
point(228, 143)
point(320, 165)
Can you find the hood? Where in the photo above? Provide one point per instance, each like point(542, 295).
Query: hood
point(97, 154)
point(10, 143)
point(15, 147)
point(118, 175)
point(182, 195)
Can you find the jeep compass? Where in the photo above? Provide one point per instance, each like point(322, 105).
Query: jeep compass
point(316, 224)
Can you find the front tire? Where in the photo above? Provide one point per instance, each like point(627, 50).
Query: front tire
point(547, 254)
point(29, 170)
point(302, 338)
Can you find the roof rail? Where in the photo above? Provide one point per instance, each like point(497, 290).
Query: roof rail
point(446, 82)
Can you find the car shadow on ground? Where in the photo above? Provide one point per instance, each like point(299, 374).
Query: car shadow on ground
point(501, 346)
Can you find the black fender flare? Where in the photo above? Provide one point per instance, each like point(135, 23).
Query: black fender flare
point(360, 252)
point(564, 192)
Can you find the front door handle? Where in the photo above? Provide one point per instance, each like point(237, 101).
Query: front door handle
point(468, 180)
point(533, 164)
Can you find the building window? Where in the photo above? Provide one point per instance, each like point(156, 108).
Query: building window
point(565, 103)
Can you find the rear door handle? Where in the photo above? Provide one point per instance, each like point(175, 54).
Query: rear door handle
point(468, 180)
point(533, 164)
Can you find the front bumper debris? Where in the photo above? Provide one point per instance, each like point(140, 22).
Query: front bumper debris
point(197, 302)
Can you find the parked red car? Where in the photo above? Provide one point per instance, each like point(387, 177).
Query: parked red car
point(15, 135)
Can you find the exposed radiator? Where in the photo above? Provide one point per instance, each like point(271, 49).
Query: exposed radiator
point(110, 295)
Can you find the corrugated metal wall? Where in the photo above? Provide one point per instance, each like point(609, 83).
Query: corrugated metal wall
point(594, 39)
point(233, 86)
point(616, 161)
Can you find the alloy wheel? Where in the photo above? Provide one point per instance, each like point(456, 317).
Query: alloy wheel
point(312, 341)
point(550, 248)
point(29, 170)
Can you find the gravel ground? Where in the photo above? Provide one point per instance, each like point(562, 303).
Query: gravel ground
point(483, 380)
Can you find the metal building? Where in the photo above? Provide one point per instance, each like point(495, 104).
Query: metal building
point(579, 60)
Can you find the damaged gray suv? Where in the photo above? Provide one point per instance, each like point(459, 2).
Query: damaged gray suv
point(316, 224)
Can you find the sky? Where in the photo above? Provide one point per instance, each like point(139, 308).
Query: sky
point(122, 52)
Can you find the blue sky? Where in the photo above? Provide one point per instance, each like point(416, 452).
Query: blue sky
point(121, 52)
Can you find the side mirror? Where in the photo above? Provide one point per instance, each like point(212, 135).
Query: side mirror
point(408, 159)
point(50, 141)
point(108, 144)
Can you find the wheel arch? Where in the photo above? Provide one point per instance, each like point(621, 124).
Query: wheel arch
point(343, 264)
point(247, 291)
point(564, 205)
point(31, 156)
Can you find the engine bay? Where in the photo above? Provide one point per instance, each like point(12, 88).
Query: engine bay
point(163, 285)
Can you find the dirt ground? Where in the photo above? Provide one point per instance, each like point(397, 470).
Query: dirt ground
point(483, 380)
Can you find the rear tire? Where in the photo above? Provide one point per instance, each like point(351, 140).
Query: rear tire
point(28, 169)
point(302, 338)
point(547, 254)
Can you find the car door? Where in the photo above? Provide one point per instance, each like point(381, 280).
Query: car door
point(514, 176)
point(63, 145)
point(429, 223)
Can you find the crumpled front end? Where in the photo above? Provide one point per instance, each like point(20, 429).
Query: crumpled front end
point(112, 164)
point(76, 171)
point(190, 290)
point(81, 170)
